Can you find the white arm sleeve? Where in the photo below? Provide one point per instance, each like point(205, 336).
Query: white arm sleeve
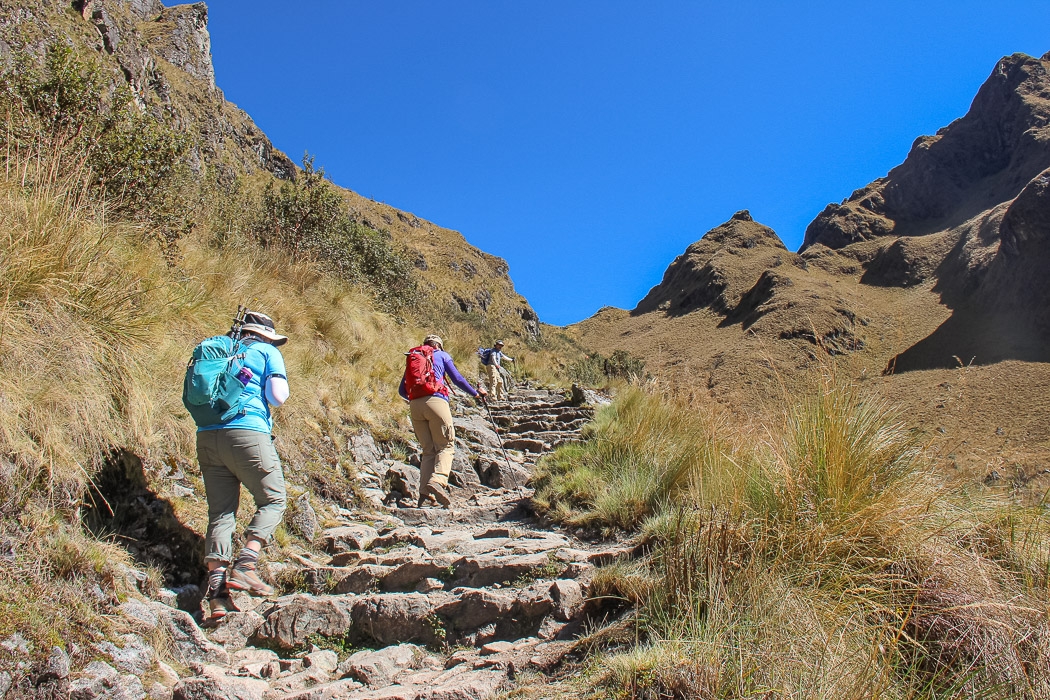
point(276, 390)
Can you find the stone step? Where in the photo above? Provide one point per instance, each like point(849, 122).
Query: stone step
point(470, 616)
point(547, 426)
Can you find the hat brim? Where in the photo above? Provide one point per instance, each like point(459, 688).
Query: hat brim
point(265, 332)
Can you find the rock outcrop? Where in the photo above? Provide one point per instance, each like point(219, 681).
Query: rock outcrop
point(978, 161)
point(708, 273)
point(743, 275)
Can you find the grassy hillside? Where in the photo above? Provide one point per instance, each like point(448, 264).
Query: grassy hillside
point(113, 267)
point(790, 316)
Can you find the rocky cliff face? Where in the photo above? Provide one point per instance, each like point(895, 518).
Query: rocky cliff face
point(163, 54)
point(978, 161)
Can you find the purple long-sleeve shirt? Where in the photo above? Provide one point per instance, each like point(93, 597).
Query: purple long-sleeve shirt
point(443, 365)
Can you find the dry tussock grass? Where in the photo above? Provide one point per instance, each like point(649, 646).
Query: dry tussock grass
point(821, 561)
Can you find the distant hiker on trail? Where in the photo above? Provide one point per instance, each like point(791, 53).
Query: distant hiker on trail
point(491, 358)
point(235, 447)
point(423, 386)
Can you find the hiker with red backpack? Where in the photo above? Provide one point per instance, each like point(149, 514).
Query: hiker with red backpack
point(423, 386)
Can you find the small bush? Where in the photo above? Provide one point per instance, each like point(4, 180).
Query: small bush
point(597, 370)
point(308, 218)
point(64, 113)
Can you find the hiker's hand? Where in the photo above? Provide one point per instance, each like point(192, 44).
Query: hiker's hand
point(482, 394)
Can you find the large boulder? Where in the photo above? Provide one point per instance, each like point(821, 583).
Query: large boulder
point(501, 474)
point(401, 481)
point(363, 449)
point(476, 430)
point(378, 668)
point(292, 620)
point(391, 618)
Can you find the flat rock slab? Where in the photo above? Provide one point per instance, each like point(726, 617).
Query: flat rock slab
point(348, 538)
point(485, 570)
point(454, 684)
point(378, 668)
point(220, 689)
point(526, 445)
point(336, 690)
point(458, 515)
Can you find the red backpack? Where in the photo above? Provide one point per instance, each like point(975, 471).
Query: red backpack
point(419, 374)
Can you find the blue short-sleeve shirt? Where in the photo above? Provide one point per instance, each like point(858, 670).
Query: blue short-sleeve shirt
point(265, 361)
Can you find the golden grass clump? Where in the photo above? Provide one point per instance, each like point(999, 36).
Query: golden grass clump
point(821, 561)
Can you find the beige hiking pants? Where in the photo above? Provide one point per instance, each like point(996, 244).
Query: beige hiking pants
point(229, 458)
point(495, 382)
point(432, 421)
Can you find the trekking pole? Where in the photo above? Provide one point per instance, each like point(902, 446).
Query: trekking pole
point(496, 431)
point(238, 321)
point(492, 420)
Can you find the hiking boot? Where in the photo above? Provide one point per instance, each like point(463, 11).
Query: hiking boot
point(218, 608)
point(440, 493)
point(245, 578)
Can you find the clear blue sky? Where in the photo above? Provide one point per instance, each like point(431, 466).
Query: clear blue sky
point(589, 142)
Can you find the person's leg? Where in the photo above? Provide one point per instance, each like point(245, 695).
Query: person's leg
point(222, 490)
point(495, 382)
point(254, 460)
point(443, 434)
point(421, 426)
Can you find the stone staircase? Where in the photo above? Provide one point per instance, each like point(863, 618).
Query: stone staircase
point(419, 603)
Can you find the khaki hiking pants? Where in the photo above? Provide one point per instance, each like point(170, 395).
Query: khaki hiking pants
point(228, 459)
point(432, 422)
point(495, 382)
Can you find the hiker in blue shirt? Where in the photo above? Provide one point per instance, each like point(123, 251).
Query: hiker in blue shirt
point(495, 357)
point(241, 452)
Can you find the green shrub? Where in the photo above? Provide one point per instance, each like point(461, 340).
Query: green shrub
point(308, 218)
point(596, 369)
point(65, 112)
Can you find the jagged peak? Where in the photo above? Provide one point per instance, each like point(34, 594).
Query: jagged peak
point(740, 231)
point(978, 161)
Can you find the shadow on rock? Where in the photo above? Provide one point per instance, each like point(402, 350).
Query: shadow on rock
point(121, 506)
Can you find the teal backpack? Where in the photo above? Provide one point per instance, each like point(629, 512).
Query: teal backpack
point(215, 380)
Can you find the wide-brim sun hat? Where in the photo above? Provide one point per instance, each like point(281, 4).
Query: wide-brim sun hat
point(498, 343)
point(262, 325)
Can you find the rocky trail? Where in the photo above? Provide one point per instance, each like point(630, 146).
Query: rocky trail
point(407, 603)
